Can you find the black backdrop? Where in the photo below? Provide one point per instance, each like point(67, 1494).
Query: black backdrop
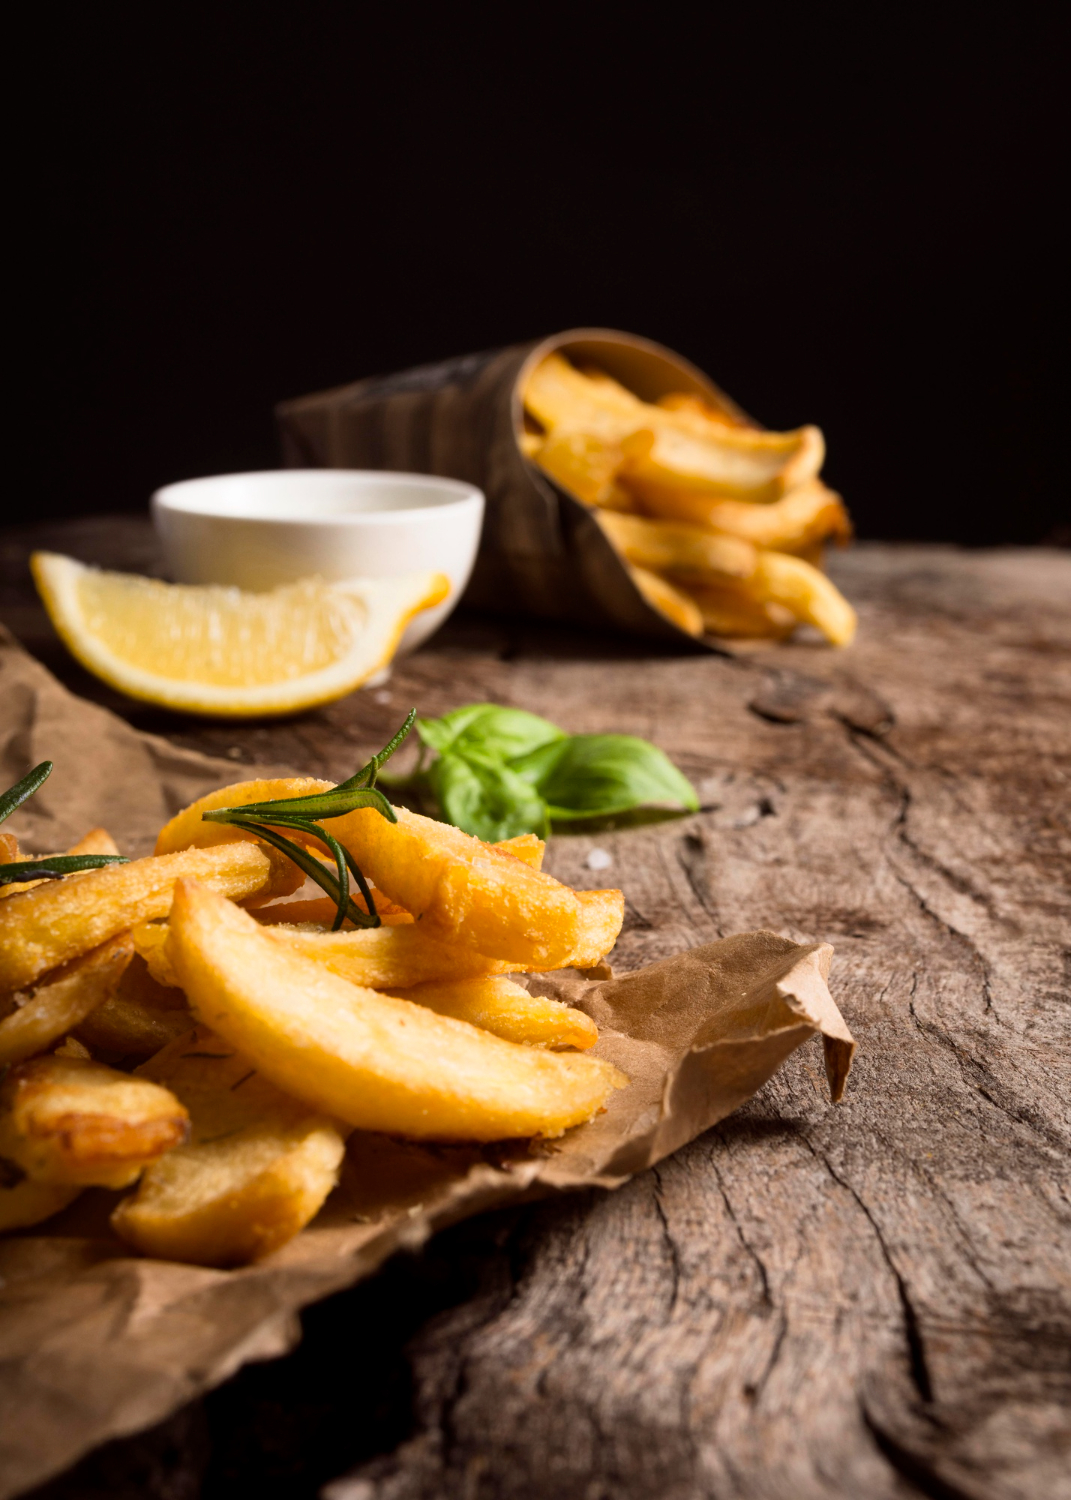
point(845, 216)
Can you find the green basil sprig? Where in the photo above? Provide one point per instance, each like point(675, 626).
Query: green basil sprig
point(498, 772)
point(56, 865)
point(265, 819)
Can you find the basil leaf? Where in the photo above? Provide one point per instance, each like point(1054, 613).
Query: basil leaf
point(595, 775)
point(480, 795)
point(487, 729)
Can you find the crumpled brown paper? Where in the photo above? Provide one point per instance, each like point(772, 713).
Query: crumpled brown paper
point(97, 1343)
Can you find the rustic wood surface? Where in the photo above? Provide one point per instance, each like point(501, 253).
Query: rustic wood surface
point(871, 1300)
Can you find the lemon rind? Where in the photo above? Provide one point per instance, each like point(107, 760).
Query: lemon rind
point(57, 580)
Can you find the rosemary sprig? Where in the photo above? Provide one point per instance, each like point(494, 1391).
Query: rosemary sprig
point(57, 865)
point(300, 813)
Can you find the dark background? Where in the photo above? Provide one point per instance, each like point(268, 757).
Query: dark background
point(843, 215)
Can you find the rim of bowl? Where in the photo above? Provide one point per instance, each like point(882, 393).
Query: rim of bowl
point(182, 496)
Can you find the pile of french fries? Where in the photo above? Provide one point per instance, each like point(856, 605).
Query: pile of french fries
point(721, 524)
point(187, 1028)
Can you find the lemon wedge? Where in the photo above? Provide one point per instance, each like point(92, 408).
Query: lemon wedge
point(225, 652)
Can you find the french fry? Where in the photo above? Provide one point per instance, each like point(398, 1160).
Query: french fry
point(65, 1000)
point(667, 599)
point(811, 513)
point(809, 594)
point(527, 846)
point(187, 829)
point(687, 553)
point(60, 919)
point(401, 956)
point(257, 1167)
point(463, 890)
point(694, 414)
point(734, 613)
point(376, 1062)
point(559, 395)
point(501, 1006)
point(72, 1123)
point(139, 1019)
point(584, 463)
point(9, 848)
point(96, 841)
point(661, 462)
point(25, 1203)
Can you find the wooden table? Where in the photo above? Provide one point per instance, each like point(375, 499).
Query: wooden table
point(869, 1300)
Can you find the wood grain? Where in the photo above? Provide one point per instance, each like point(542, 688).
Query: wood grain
point(868, 1300)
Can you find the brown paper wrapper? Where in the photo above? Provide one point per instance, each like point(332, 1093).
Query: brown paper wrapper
point(542, 552)
point(98, 1343)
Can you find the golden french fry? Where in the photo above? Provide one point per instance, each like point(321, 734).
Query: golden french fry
point(463, 890)
point(809, 594)
point(24, 1202)
point(73, 1123)
point(139, 1019)
point(559, 395)
point(369, 1059)
point(601, 916)
point(526, 846)
point(60, 919)
point(501, 1006)
point(187, 828)
point(320, 912)
point(584, 463)
point(667, 599)
point(811, 513)
point(66, 1000)
point(257, 1167)
point(687, 553)
point(662, 462)
point(9, 848)
point(694, 414)
point(734, 613)
point(96, 841)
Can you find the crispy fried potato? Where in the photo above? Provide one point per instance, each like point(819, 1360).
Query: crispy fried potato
point(667, 599)
point(369, 1059)
point(25, 1202)
point(96, 841)
point(584, 463)
point(694, 414)
point(187, 828)
point(57, 921)
point(739, 462)
point(463, 890)
point(809, 594)
point(810, 514)
point(71, 993)
point(527, 846)
point(257, 1167)
point(559, 395)
point(502, 1006)
point(74, 1124)
point(687, 553)
point(601, 916)
point(734, 613)
point(9, 848)
point(139, 1019)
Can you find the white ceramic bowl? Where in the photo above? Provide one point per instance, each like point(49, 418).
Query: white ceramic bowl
point(263, 529)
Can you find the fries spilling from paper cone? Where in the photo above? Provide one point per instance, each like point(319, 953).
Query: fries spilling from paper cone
point(721, 524)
